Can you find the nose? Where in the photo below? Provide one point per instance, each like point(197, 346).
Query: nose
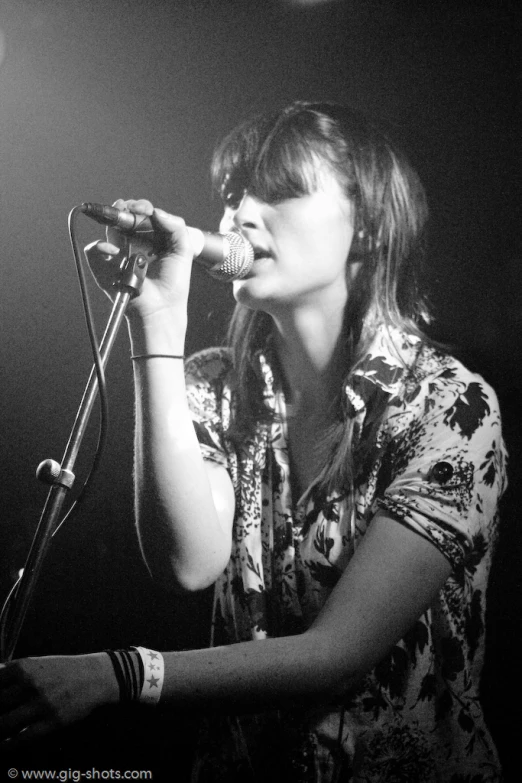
point(245, 215)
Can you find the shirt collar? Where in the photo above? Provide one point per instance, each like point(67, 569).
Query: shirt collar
point(382, 371)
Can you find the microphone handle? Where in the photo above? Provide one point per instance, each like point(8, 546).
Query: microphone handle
point(226, 257)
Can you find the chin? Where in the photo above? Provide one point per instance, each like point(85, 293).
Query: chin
point(250, 294)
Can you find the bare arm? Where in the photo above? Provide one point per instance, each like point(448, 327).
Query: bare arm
point(184, 508)
point(392, 579)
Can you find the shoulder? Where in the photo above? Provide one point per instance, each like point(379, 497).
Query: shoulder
point(421, 374)
point(445, 463)
point(441, 408)
point(445, 385)
point(446, 414)
point(420, 377)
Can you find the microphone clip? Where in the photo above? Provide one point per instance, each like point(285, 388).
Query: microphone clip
point(133, 271)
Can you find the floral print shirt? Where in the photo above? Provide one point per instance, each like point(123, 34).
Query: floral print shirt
point(437, 465)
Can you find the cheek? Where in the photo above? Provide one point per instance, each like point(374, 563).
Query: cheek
point(328, 222)
point(338, 233)
point(326, 242)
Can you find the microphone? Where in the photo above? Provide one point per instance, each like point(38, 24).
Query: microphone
point(226, 257)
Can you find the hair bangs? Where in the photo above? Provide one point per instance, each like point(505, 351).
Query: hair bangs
point(274, 160)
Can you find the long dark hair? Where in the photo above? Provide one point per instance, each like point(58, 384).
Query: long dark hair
point(276, 156)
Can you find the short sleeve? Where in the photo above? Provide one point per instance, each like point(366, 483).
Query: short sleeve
point(208, 397)
point(446, 467)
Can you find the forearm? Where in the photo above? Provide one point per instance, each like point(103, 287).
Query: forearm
point(393, 578)
point(182, 535)
point(302, 669)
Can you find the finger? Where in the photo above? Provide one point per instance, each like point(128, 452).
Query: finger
point(16, 720)
point(168, 222)
point(142, 206)
point(101, 251)
point(103, 259)
point(28, 734)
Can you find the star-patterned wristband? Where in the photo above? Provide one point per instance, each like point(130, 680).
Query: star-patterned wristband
point(153, 675)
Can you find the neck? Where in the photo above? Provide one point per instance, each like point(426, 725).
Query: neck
point(312, 356)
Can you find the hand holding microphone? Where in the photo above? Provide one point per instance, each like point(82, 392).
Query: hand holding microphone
point(226, 257)
point(174, 245)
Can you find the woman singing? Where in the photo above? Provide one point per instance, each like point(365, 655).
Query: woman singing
point(332, 472)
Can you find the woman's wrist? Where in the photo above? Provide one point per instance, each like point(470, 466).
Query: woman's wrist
point(139, 673)
point(160, 333)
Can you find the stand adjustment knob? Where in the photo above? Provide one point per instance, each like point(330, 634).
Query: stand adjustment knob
point(50, 472)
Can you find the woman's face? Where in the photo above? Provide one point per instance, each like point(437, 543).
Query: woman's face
point(301, 247)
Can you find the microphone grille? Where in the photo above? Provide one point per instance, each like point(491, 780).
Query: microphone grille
point(238, 257)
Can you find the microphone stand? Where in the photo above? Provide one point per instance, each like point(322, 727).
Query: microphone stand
point(133, 270)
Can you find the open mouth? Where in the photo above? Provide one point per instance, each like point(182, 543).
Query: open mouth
point(259, 253)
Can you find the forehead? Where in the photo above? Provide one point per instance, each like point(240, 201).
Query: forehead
point(290, 177)
point(270, 157)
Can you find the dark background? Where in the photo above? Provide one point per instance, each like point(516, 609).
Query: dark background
point(100, 100)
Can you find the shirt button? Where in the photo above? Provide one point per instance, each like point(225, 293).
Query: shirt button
point(442, 472)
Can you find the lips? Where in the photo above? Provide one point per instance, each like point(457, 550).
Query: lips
point(260, 252)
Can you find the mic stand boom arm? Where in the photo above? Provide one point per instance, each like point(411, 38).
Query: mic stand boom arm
point(133, 270)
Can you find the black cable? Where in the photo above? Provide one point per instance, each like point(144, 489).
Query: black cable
point(104, 406)
point(100, 373)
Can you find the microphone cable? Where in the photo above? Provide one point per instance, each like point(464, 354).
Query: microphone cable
point(98, 365)
point(104, 413)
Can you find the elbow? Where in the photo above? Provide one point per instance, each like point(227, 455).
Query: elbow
point(183, 578)
point(192, 575)
point(184, 568)
point(193, 581)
